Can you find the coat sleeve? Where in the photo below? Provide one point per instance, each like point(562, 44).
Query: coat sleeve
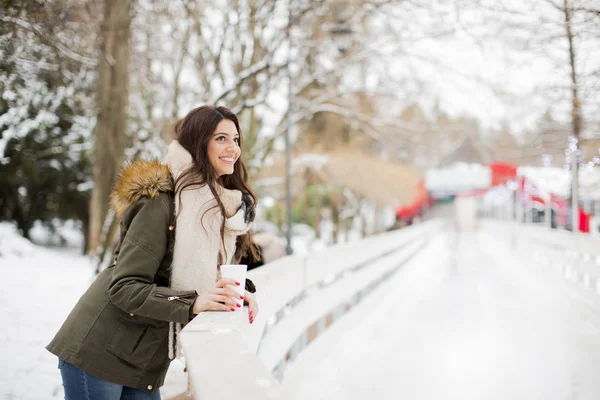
point(132, 286)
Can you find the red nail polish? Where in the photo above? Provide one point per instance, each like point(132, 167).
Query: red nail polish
point(242, 297)
point(237, 283)
point(238, 306)
point(232, 309)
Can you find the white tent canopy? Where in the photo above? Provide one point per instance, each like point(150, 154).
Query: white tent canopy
point(458, 177)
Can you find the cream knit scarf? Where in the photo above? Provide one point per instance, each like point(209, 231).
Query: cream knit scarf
point(198, 245)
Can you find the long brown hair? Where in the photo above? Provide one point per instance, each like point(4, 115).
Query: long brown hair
point(193, 133)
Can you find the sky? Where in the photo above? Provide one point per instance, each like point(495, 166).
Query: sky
point(499, 68)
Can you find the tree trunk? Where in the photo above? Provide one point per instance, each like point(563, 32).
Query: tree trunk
point(575, 121)
point(86, 234)
point(23, 219)
point(25, 227)
point(110, 130)
point(107, 237)
point(83, 215)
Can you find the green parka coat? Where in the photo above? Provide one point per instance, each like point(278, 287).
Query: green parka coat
point(118, 331)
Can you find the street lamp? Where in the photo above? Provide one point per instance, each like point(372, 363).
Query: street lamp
point(342, 36)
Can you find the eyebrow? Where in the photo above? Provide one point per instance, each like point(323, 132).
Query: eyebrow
point(226, 134)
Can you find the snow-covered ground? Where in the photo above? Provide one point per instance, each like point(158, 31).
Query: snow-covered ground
point(40, 286)
point(465, 319)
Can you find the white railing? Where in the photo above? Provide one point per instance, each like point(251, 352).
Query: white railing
point(299, 297)
point(573, 254)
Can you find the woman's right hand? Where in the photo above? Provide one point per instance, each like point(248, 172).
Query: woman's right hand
point(219, 298)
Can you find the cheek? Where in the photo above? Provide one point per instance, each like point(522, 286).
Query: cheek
point(214, 152)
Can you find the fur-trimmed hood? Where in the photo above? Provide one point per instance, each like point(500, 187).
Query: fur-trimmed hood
point(139, 179)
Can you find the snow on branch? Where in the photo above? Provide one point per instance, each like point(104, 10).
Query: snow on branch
point(243, 76)
point(57, 45)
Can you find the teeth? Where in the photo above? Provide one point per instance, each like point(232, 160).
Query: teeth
point(226, 159)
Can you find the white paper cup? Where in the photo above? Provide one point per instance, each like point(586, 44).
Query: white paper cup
point(236, 272)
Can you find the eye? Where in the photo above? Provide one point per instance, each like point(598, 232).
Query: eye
point(237, 140)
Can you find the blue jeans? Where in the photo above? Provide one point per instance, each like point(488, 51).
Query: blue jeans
point(80, 385)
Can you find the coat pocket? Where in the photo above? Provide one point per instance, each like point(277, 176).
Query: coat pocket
point(134, 341)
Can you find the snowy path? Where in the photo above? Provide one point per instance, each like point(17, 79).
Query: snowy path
point(466, 319)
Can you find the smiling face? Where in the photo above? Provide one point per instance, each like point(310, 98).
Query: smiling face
point(224, 148)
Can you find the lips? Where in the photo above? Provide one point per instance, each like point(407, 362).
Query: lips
point(227, 160)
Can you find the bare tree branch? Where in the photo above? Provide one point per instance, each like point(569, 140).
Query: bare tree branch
point(44, 38)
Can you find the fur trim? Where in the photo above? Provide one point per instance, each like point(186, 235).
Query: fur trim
point(139, 179)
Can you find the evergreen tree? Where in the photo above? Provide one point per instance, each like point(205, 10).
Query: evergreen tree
point(46, 118)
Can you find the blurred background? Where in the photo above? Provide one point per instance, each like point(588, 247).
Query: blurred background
point(370, 94)
point(358, 116)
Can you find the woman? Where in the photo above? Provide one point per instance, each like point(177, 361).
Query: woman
point(119, 339)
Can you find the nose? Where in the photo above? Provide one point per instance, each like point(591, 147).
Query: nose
point(233, 147)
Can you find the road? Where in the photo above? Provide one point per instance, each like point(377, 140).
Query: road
point(467, 318)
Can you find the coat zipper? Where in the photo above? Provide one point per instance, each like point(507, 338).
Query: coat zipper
point(181, 299)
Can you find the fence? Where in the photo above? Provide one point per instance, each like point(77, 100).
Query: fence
point(575, 255)
point(299, 298)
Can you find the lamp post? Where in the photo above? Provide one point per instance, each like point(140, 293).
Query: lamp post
point(342, 36)
point(288, 150)
point(288, 167)
point(574, 165)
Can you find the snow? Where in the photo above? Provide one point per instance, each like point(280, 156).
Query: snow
point(61, 234)
point(329, 295)
point(12, 245)
point(41, 286)
point(469, 318)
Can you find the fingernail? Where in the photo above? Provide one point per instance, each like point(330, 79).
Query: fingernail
point(238, 306)
point(242, 297)
point(237, 283)
point(232, 309)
